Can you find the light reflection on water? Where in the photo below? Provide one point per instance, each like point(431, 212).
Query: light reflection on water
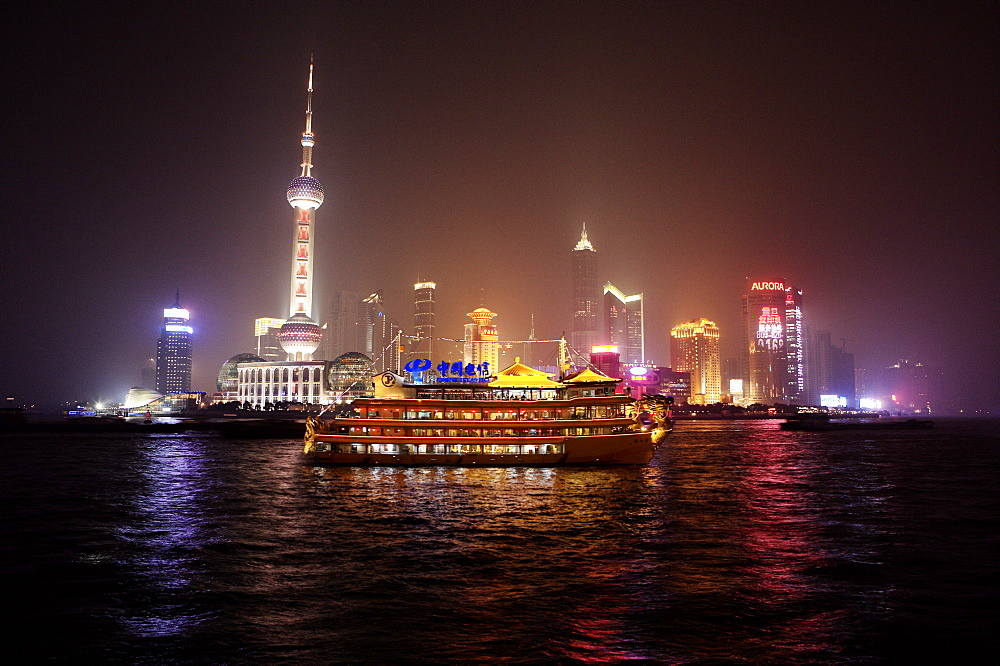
point(166, 531)
point(740, 542)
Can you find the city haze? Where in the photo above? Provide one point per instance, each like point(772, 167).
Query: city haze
point(850, 150)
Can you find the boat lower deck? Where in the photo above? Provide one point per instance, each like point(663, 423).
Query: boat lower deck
point(622, 449)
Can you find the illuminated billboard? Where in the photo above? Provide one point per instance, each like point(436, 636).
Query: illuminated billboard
point(770, 330)
point(832, 401)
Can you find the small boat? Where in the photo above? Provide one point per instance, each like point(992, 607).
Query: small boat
point(521, 417)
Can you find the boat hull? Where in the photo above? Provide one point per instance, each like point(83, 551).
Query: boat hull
point(621, 449)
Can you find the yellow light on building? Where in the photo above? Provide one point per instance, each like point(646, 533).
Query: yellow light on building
point(695, 349)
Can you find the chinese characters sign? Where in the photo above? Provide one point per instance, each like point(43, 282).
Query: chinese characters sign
point(770, 334)
point(452, 372)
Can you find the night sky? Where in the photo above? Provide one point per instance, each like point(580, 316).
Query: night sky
point(850, 149)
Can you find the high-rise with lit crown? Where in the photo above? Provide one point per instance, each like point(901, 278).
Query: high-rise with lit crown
point(173, 351)
point(423, 320)
point(481, 338)
point(300, 335)
point(694, 348)
point(586, 296)
point(624, 326)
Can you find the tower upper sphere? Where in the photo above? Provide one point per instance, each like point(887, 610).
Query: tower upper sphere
point(305, 192)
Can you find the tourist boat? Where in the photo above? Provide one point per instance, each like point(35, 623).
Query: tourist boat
point(521, 417)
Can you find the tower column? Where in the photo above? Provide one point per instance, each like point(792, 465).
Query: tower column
point(300, 335)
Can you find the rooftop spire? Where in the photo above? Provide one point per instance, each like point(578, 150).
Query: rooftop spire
point(177, 301)
point(584, 244)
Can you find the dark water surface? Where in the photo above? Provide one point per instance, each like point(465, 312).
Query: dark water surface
point(740, 543)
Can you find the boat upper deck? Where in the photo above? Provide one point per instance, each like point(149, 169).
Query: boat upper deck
point(568, 409)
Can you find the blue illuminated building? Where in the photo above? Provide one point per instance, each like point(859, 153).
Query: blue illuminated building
point(173, 351)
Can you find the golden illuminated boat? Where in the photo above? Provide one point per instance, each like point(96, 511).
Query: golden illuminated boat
point(519, 418)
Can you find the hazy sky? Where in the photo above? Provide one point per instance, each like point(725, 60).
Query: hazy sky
point(849, 148)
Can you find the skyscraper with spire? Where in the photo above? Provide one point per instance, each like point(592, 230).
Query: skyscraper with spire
point(586, 296)
point(300, 335)
point(173, 350)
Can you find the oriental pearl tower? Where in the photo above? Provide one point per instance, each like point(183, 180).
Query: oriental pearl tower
point(300, 335)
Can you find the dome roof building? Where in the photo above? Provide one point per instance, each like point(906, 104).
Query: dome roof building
point(228, 379)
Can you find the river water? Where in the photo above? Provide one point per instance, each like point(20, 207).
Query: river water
point(740, 543)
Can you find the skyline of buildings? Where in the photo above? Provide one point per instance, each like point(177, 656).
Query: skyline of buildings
point(675, 197)
point(357, 328)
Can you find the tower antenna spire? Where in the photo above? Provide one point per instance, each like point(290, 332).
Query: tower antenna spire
point(584, 243)
point(308, 138)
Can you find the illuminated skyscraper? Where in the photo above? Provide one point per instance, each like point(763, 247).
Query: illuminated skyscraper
point(371, 311)
point(624, 326)
point(795, 358)
point(586, 296)
point(266, 343)
point(773, 348)
point(423, 320)
point(173, 351)
point(300, 335)
point(481, 340)
point(694, 348)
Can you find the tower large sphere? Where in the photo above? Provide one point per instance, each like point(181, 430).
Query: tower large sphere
point(300, 336)
point(305, 192)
